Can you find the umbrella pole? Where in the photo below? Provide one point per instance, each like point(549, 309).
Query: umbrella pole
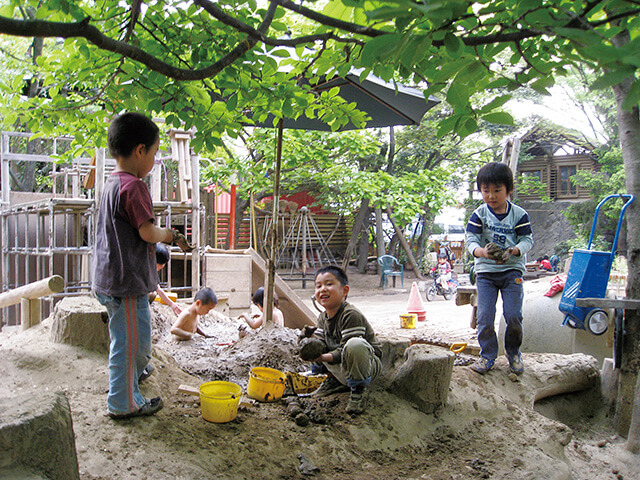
point(268, 302)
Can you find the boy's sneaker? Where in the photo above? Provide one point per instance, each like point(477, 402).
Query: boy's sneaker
point(482, 365)
point(146, 373)
point(330, 386)
point(357, 400)
point(515, 363)
point(150, 407)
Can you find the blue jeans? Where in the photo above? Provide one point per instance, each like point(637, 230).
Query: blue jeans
point(129, 350)
point(509, 283)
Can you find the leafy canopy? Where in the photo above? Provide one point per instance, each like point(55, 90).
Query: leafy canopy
point(203, 63)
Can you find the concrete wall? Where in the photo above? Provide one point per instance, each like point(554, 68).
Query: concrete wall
point(550, 226)
point(543, 329)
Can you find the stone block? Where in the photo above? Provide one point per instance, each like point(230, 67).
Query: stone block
point(424, 377)
point(81, 321)
point(36, 437)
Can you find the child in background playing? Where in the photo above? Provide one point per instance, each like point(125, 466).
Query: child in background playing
point(498, 236)
point(124, 263)
point(255, 320)
point(444, 271)
point(162, 258)
point(186, 326)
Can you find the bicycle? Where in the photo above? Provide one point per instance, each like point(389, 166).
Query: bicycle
point(436, 288)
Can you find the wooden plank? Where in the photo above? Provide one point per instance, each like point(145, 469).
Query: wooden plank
point(189, 390)
point(296, 313)
point(626, 303)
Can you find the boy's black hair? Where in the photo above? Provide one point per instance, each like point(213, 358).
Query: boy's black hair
point(336, 271)
point(495, 173)
point(206, 296)
point(258, 297)
point(162, 254)
point(129, 130)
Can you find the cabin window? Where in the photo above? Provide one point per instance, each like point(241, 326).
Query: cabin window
point(566, 186)
point(533, 174)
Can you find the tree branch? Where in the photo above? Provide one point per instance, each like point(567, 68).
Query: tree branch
point(329, 21)
point(216, 12)
point(83, 29)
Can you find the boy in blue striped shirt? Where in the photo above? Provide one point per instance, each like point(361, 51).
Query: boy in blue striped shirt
point(499, 236)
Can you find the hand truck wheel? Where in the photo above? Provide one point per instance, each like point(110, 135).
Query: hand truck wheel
point(597, 321)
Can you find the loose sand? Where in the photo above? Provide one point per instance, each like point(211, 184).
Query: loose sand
point(488, 429)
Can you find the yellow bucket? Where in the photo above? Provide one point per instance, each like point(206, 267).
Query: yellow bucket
point(304, 383)
point(266, 384)
point(219, 401)
point(408, 320)
point(170, 295)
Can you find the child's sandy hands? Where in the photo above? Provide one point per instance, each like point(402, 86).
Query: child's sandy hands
point(181, 241)
point(307, 331)
point(506, 255)
point(494, 252)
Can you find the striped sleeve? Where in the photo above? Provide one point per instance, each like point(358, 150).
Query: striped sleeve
point(348, 333)
point(319, 333)
point(523, 226)
point(475, 224)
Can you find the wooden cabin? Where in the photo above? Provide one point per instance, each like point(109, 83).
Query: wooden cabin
point(553, 158)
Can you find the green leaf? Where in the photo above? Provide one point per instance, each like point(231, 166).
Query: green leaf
point(467, 126)
point(501, 118)
point(458, 94)
point(287, 109)
point(453, 44)
point(279, 26)
point(280, 53)
point(633, 97)
point(495, 103)
point(7, 10)
point(232, 102)
point(613, 77)
point(378, 48)
point(541, 84)
point(446, 126)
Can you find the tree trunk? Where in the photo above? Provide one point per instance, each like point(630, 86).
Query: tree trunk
point(633, 440)
point(380, 250)
point(363, 250)
point(629, 129)
point(363, 213)
point(405, 246)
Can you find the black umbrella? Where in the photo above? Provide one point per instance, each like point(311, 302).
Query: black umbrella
point(386, 103)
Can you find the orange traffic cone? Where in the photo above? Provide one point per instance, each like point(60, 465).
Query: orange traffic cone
point(415, 303)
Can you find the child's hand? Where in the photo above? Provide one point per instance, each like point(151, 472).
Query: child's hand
point(181, 241)
point(306, 332)
point(506, 255)
point(494, 251)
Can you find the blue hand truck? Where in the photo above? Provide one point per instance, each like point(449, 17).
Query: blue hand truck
point(588, 277)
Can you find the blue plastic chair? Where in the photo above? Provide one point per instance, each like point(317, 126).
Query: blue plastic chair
point(388, 264)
